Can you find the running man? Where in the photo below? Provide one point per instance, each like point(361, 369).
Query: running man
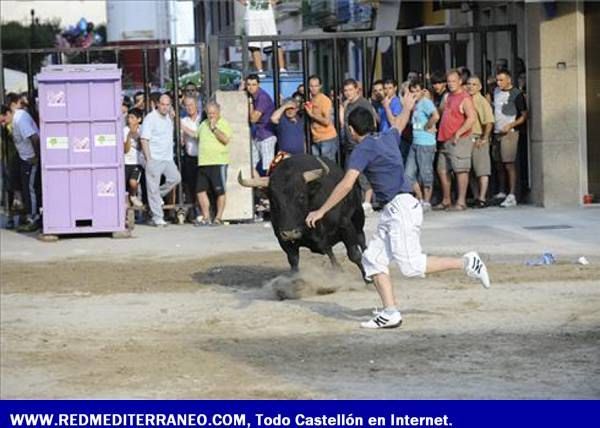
point(397, 238)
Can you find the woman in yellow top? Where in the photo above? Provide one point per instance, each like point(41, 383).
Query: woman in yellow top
point(214, 135)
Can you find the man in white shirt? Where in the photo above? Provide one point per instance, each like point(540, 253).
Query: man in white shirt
point(189, 141)
point(157, 144)
point(26, 137)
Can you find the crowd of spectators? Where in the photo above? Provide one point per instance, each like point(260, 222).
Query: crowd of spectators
point(459, 150)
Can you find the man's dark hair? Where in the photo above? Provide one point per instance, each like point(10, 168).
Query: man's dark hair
point(4, 109)
point(137, 113)
point(127, 101)
point(437, 77)
point(155, 96)
point(315, 77)
point(465, 73)
point(253, 76)
point(415, 84)
point(349, 82)
point(390, 82)
point(12, 98)
point(378, 82)
point(505, 72)
point(190, 86)
point(137, 94)
point(361, 120)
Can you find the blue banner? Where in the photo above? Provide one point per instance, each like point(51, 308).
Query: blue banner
point(260, 414)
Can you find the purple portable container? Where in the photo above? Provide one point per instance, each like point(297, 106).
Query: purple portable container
point(81, 139)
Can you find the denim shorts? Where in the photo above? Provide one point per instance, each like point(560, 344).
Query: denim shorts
point(326, 148)
point(419, 164)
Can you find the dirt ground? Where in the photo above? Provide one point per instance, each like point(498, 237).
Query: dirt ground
point(218, 328)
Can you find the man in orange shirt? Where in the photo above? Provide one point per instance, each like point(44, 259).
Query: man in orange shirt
point(320, 111)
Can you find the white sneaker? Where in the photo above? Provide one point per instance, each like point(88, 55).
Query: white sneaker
point(426, 206)
point(510, 201)
point(475, 268)
point(367, 208)
point(499, 195)
point(158, 223)
point(384, 320)
point(135, 201)
point(282, 70)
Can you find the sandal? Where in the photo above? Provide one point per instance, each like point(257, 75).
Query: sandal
point(480, 204)
point(457, 208)
point(441, 207)
point(217, 222)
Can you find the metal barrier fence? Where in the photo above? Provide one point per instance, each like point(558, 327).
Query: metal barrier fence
point(209, 62)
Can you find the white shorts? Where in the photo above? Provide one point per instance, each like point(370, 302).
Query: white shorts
point(263, 150)
point(260, 23)
point(397, 238)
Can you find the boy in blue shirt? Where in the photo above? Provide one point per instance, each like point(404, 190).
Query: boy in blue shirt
point(398, 232)
point(391, 107)
point(419, 164)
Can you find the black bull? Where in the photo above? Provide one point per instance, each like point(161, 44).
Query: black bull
point(300, 184)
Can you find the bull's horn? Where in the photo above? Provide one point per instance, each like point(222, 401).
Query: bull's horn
point(315, 174)
point(324, 165)
point(253, 182)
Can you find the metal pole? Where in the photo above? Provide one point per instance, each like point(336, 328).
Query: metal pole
point(452, 49)
point(275, 61)
point(146, 79)
point(245, 59)
point(513, 49)
point(204, 69)
point(335, 101)
point(87, 56)
point(4, 141)
point(175, 80)
point(373, 62)
point(397, 58)
point(484, 73)
point(29, 76)
point(365, 65)
point(305, 75)
point(424, 57)
point(2, 78)
point(214, 64)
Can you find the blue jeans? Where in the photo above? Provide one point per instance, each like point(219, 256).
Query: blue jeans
point(419, 164)
point(326, 149)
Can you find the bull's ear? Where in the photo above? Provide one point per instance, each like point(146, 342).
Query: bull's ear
point(313, 174)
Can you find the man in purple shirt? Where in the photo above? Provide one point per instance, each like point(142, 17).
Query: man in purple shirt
point(260, 109)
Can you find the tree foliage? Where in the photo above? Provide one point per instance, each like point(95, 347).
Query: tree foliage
point(15, 35)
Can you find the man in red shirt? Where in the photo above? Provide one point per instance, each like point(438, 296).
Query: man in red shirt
point(455, 141)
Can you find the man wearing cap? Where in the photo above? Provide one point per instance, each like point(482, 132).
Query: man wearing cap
point(290, 127)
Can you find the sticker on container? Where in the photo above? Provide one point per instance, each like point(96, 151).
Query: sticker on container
point(106, 189)
point(81, 144)
point(56, 99)
point(105, 140)
point(57, 142)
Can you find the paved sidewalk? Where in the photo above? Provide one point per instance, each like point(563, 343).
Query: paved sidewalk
point(498, 234)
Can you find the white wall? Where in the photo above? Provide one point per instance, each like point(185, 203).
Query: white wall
point(137, 20)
